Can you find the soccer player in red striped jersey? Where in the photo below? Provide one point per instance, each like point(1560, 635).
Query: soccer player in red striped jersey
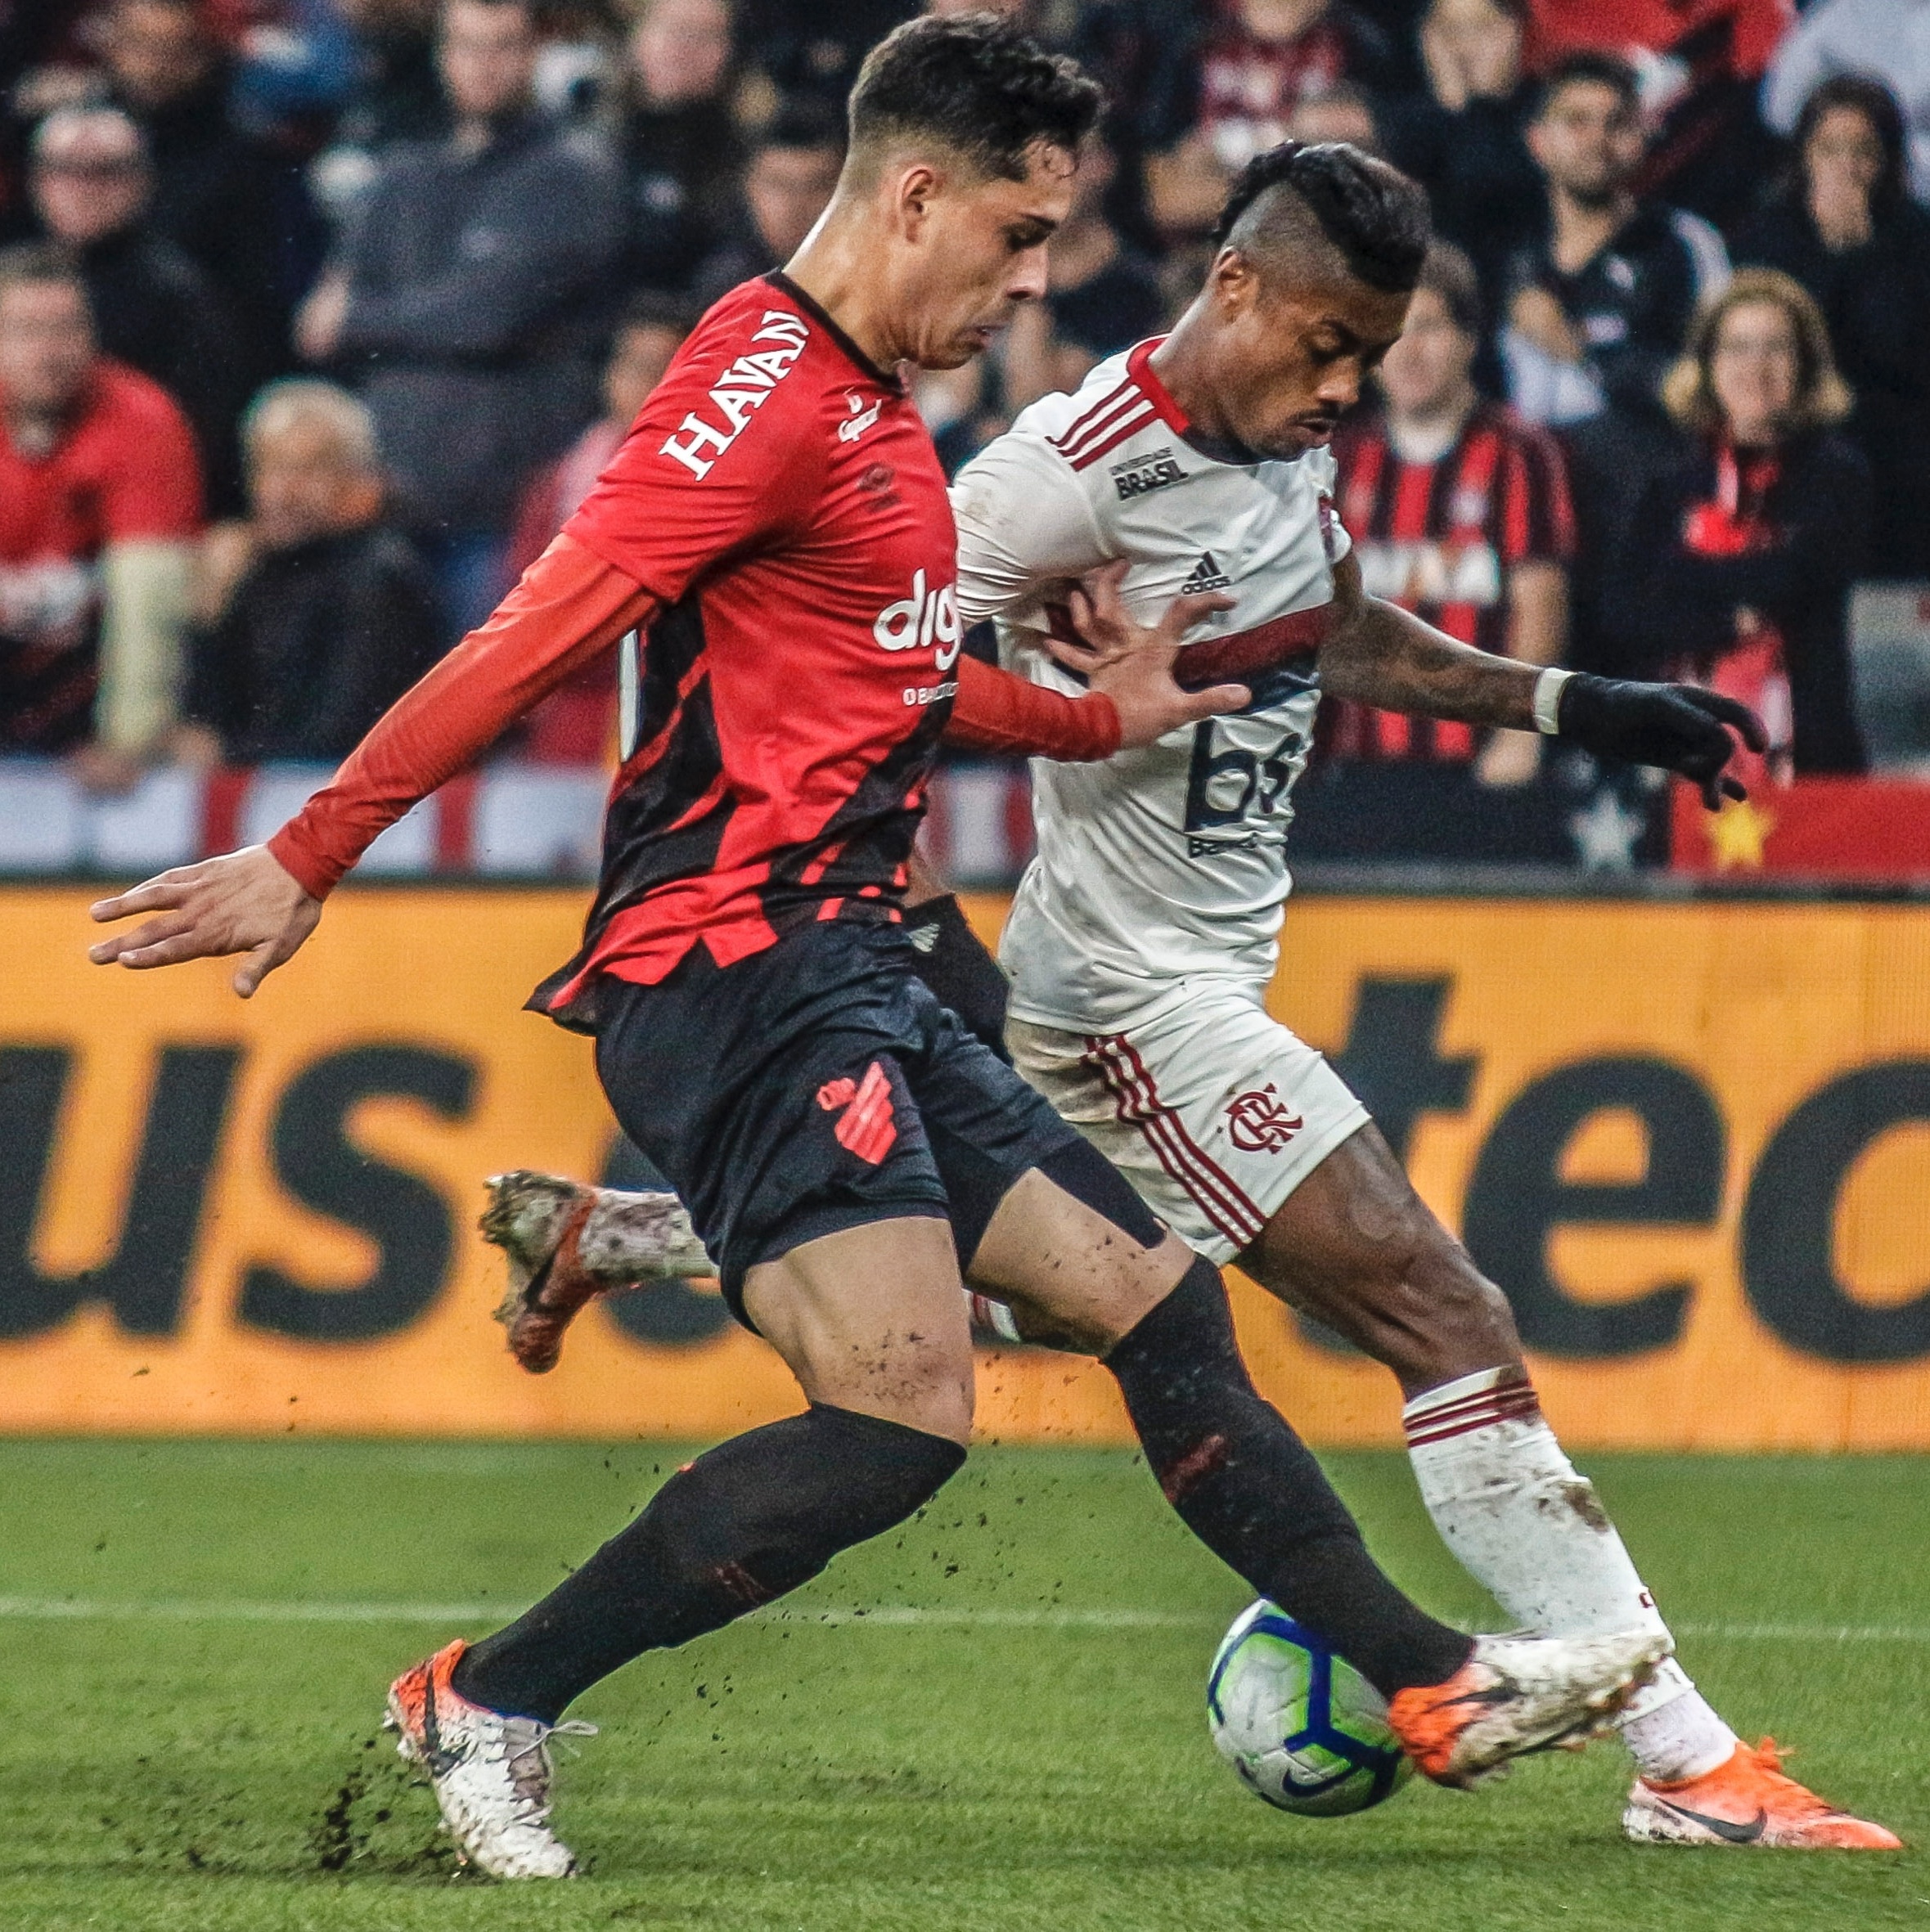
point(1459, 512)
point(775, 530)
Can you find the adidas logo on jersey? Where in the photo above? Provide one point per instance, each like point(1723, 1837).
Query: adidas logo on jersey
point(1136, 476)
point(1207, 575)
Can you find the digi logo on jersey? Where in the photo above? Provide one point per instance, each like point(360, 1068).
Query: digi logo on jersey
point(740, 392)
point(1257, 1123)
point(925, 617)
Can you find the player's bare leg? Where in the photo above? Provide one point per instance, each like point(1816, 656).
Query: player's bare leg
point(1355, 1246)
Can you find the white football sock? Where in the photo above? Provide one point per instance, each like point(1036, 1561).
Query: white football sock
point(1526, 1527)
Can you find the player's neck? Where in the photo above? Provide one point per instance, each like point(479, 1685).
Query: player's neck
point(838, 268)
point(1185, 364)
point(32, 432)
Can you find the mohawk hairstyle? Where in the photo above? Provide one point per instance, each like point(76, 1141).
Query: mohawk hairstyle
point(977, 83)
point(1371, 212)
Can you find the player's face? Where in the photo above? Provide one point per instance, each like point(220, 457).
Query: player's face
point(47, 345)
point(1428, 367)
point(1293, 360)
point(979, 250)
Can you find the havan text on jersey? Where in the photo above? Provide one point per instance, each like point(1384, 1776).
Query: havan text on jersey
point(742, 388)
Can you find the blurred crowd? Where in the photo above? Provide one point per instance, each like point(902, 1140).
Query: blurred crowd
point(317, 317)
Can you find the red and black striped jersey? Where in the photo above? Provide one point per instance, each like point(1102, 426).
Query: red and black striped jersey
point(781, 498)
point(1439, 539)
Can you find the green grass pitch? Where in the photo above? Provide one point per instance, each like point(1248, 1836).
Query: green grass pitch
point(1027, 1754)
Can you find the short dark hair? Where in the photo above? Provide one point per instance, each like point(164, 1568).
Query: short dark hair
point(27, 262)
point(976, 82)
point(1450, 273)
point(1590, 67)
point(1369, 209)
point(1863, 94)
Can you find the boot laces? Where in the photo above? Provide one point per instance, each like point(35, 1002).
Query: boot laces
point(526, 1756)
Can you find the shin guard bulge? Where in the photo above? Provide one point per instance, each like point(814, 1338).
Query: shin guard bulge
point(745, 1523)
point(1251, 1491)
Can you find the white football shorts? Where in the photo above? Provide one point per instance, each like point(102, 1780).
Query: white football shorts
point(1213, 1110)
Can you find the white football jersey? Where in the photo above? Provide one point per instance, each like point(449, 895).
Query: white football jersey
point(1167, 862)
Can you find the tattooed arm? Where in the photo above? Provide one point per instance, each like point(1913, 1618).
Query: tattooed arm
point(1379, 654)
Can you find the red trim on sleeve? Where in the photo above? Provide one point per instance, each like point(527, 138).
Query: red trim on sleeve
point(995, 711)
point(569, 606)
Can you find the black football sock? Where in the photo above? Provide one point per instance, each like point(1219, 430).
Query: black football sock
point(952, 960)
point(746, 1522)
point(1248, 1488)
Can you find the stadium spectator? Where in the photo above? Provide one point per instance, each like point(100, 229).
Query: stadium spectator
point(1464, 139)
point(788, 182)
point(1599, 304)
point(681, 150)
point(1844, 227)
point(332, 617)
point(222, 197)
point(1245, 69)
point(153, 306)
point(469, 296)
point(1886, 39)
point(1459, 512)
point(99, 499)
point(1103, 296)
point(804, 47)
point(1700, 63)
point(1739, 560)
point(395, 95)
point(575, 724)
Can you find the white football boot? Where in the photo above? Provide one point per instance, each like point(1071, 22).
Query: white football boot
point(490, 1773)
point(1520, 1694)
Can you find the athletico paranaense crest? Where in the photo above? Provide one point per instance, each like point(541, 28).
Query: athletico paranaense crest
point(1258, 1124)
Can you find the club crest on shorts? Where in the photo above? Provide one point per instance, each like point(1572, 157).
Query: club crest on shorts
point(1257, 1123)
point(867, 1126)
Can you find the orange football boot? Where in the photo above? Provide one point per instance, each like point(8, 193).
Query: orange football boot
point(1518, 1694)
point(1748, 1801)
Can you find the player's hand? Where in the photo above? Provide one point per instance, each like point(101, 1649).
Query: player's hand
point(242, 903)
point(1681, 728)
point(1133, 665)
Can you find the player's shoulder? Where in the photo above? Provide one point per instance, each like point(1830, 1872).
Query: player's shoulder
point(1111, 414)
point(755, 369)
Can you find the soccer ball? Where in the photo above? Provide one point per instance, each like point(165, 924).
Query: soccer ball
point(1301, 1727)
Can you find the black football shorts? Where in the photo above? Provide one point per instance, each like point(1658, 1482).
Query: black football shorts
point(816, 1085)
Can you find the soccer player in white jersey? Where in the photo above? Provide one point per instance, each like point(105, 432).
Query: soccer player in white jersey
point(1145, 935)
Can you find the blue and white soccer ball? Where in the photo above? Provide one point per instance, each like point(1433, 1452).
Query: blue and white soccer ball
point(1301, 1727)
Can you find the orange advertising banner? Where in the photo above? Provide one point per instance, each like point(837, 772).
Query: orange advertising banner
point(1691, 1140)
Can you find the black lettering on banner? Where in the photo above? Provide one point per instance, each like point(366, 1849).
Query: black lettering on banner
point(405, 1217)
point(1789, 1220)
point(662, 1314)
point(1516, 1199)
point(144, 1280)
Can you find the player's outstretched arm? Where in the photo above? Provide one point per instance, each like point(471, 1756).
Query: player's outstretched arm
point(1379, 654)
point(1132, 664)
point(265, 900)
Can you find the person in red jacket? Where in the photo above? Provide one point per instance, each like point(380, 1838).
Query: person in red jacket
point(100, 498)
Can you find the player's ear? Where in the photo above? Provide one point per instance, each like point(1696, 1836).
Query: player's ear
point(1232, 279)
point(918, 187)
